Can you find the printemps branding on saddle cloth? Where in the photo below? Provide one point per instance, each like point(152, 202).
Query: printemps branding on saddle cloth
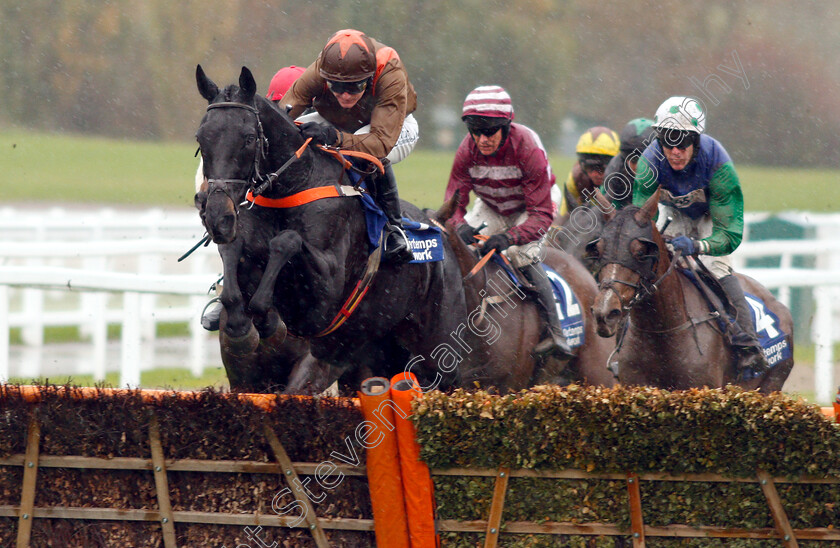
point(423, 248)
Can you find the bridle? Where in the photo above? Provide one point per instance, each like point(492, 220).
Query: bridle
point(261, 148)
point(642, 290)
point(257, 182)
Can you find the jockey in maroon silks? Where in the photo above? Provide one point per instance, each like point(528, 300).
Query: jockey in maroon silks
point(507, 167)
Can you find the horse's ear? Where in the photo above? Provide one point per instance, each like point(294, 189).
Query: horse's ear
point(448, 208)
point(604, 205)
point(247, 84)
point(648, 211)
point(206, 87)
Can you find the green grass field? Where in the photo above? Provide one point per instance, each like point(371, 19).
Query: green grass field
point(41, 167)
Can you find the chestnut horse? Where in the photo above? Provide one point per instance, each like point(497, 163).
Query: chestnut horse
point(517, 321)
point(672, 340)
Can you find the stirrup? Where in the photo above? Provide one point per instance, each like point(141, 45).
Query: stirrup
point(751, 362)
point(401, 253)
point(211, 320)
point(554, 345)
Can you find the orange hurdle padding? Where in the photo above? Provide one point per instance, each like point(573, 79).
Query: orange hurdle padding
point(383, 464)
point(417, 481)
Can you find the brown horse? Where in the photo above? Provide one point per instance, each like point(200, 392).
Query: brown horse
point(516, 321)
point(671, 340)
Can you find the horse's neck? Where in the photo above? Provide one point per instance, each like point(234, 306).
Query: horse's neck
point(283, 143)
point(666, 308)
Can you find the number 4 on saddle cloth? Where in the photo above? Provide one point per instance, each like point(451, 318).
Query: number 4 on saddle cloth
point(568, 307)
point(769, 333)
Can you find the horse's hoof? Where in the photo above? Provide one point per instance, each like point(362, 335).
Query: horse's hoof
point(241, 345)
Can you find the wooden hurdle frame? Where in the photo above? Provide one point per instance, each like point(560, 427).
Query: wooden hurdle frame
point(493, 526)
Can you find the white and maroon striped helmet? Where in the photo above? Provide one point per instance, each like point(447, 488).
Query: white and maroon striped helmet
point(489, 102)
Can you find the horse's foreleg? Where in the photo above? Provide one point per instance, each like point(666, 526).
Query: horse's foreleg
point(282, 247)
point(238, 329)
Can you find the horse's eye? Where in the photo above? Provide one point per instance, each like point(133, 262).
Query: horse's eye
point(642, 249)
point(250, 140)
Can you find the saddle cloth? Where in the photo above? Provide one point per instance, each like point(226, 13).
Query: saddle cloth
point(568, 307)
point(770, 336)
point(425, 241)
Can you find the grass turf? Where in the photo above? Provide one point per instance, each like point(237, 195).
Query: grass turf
point(87, 170)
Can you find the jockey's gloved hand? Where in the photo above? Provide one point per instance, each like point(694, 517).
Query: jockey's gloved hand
point(467, 233)
point(685, 245)
point(322, 134)
point(499, 242)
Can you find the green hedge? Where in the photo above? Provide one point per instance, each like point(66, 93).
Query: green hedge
point(729, 431)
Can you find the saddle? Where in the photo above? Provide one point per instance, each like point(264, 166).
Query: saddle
point(570, 312)
point(424, 240)
point(769, 335)
point(714, 294)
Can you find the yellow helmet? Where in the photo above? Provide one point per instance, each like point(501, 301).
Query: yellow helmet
point(598, 140)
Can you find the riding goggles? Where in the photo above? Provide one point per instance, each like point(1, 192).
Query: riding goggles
point(590, 165)
point(353, 88)
point(486, 131)
point(675, 139)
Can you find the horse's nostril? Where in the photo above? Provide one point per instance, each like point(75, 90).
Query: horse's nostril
point(614, 315)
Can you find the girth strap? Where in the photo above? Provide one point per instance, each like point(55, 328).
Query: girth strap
point(304, 196)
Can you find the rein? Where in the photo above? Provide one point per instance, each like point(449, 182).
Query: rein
point(642, 289)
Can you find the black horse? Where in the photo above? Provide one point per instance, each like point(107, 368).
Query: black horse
point(291, 263)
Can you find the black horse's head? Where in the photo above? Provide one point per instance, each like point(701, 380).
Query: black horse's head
point(232, 145)
point(628, 258)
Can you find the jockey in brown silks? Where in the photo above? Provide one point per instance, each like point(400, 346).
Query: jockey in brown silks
point(360, 90)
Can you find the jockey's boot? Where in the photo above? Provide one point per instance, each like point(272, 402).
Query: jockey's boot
point(751, 361)
point(210, 318)
point(396, 249)
point(555, 343)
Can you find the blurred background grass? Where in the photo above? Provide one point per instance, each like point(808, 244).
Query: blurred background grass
point(42, 167)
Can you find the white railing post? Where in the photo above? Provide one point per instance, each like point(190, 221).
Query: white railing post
point(33, 308)
point(149, 263)
point(4, 333)
point(99, 334)
point(784, 291)
point(824, 346)
point(131, 348)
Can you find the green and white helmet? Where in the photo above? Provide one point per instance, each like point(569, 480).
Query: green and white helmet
point(680, 113)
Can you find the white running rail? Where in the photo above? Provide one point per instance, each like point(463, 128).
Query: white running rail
point(92, 268)
point(56, 269)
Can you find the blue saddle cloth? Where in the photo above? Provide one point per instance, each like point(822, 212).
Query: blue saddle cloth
point(568, 306)
point(425, 241)
point(767, 328)
point(770, 335)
